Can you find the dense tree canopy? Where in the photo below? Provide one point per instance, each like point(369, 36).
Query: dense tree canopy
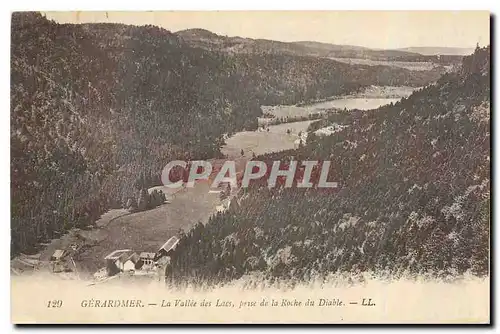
point(414, 196)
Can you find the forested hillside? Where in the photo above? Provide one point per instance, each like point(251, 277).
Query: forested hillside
point(414, 196)
point(98, 109)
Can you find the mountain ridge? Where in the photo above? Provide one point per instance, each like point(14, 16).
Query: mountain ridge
point(211, 41)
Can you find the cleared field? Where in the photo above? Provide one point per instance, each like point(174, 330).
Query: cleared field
point(148, 230)
point(261, 142)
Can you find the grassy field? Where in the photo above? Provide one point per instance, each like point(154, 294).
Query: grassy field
point(149, 230)
point(260, 142)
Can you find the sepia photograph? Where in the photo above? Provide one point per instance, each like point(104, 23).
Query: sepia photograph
point(250, 167)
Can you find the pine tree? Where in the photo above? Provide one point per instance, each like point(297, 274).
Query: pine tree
point(143, 200)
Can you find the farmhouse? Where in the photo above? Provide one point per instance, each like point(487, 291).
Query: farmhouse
point(56, 260)
point(131, 263)
point(115, 261)
point(58, 255)
point(146, 260)
point(167, 247)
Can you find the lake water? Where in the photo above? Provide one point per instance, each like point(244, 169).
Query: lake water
point(354, 103)
point(348, 103)
point(284, 136)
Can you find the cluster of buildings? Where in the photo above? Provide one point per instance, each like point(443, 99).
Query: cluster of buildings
point(131, 262)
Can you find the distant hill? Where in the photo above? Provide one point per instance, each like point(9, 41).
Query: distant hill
point(433, 51)
point(205, 39)
point(237, 45)
point(351, 51)
point(333, 47)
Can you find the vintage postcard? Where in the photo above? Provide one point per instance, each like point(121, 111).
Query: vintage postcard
point(250, 167)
